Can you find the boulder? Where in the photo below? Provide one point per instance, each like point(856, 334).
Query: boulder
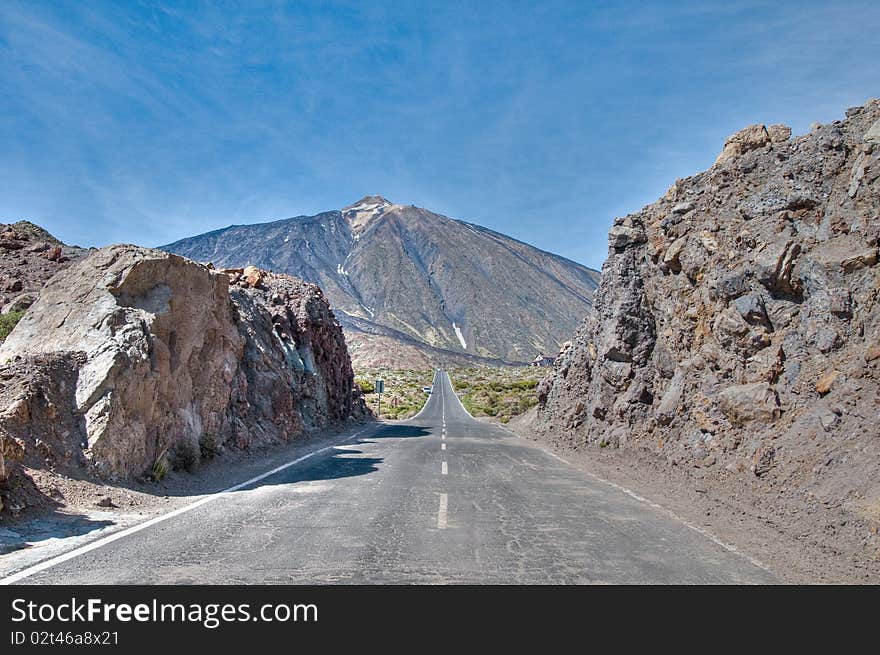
point(748, 138)
point(751, 308)
point(253, 276)
point(873, 134)
point(774, 265)
point(164, 357)
point(621, 236)
point(779, 133)
point(748, 403)
point(20, 302)
point(826, 381)
point(672, 254)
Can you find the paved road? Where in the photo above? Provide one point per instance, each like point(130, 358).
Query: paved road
point(442, 498)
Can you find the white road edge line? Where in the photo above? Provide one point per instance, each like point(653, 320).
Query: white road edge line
point(441, 513)
point(632, 494)
point(455, 395)
point(82, 550)
point(425, 406)
point(443, 469)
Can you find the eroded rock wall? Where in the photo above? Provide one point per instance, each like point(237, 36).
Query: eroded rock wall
point(737, 325)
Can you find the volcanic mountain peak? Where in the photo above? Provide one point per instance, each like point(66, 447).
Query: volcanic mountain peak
point(365, 210)
point(409, 284)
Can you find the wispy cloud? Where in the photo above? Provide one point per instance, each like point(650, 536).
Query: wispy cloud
point(148, 121)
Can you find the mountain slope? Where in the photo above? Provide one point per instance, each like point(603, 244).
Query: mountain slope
point(427, 287)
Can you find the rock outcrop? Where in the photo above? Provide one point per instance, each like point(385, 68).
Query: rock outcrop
point(135, 358)
point(737, 324)
point(29, 257)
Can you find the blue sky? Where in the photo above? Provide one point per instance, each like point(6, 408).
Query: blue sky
point(149, 121)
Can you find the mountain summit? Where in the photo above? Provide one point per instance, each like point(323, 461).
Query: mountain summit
point(415, 288)
point(364, 210)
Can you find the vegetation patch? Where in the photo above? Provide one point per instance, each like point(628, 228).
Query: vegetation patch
point(501, 392)
point(404, 396)
point(9, 321)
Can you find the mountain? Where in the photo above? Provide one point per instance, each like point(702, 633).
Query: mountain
point(415, 288)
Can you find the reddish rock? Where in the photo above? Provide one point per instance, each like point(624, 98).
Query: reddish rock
point(137, 353)
point(826, 381)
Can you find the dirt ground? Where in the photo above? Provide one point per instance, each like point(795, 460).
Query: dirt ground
point(773, 526)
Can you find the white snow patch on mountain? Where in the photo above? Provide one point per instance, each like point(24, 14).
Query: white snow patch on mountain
point(459, 335)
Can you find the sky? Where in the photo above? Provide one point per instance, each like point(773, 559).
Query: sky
point(146, 122)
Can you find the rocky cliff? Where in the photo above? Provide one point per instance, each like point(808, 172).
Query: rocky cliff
point(413, 288)
point(135, 360)
point(736, 329)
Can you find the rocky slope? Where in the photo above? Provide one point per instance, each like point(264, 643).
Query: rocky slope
point(411, 286)
point(29, 256)
point(134, 361)
point(736, 331)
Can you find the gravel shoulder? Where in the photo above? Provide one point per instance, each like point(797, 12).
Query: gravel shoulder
point(771, 525)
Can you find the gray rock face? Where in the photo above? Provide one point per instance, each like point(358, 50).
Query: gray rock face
point(144, 355)
point(402, 278)
point(710, 335)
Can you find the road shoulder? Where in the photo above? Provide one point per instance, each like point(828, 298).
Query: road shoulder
point(91, 510)
point(732, 514)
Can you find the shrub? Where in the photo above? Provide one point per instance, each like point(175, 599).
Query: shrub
point(403, 396)
point(186, 455)
point(208, 446)
point(9, 321)
point(160, 466)
point(502, 392)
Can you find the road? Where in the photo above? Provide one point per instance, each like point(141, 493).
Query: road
point(442, 498)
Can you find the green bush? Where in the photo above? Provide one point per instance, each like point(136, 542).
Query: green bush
point(403, 396)
point(501, 393)
point(9, 321)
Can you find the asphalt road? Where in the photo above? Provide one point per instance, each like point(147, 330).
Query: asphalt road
point(442, 498)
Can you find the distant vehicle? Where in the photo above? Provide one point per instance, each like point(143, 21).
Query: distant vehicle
point(427, 389)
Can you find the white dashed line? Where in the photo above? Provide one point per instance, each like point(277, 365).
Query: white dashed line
point(443, 446)
point(443, 469)
point(441, 513)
